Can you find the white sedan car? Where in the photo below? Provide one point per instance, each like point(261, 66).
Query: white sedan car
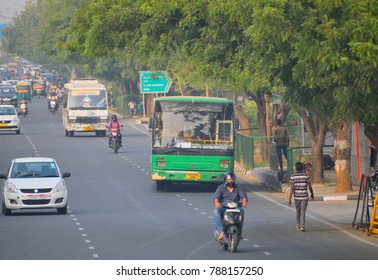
point(34, 183)
point(9, 119)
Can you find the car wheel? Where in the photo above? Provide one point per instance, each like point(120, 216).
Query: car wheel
point(63, 210)
point(6, 211)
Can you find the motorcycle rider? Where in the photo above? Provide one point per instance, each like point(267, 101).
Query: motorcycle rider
point(23, 104)
point(114, 123)
point(227, 191)
point(53, 97)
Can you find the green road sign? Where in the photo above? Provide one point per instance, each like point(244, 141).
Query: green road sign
point(154, 82)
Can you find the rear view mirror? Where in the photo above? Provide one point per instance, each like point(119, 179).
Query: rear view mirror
point(66, 174)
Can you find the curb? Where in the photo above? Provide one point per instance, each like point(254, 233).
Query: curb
point(243, 170)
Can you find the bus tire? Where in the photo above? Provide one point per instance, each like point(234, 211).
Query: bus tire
point(160, 185)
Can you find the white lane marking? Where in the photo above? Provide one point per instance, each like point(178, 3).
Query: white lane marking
point(147, 133)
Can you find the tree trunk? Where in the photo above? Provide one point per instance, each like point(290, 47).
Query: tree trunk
point(72, 71)
point(343, 148)
point(260, 101)
point(280, 111)
point(243, 121)
point(316, 129)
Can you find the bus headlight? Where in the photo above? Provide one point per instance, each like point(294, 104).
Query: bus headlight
point(103, 119)
point(72, 119)
point(160, 162)
point(224, 163)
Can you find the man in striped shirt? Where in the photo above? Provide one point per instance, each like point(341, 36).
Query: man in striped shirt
point(300, 185)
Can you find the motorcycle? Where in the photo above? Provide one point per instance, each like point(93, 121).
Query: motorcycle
point(53, 105)
point(232, 226)
point(23, 107)
point(115, 141)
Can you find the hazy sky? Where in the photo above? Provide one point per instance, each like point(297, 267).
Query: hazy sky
point(9, 8)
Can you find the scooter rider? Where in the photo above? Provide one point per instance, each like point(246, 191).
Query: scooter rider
point(227, 191)
point(115, 123)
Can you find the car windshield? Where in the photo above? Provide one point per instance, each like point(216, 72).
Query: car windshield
point(22, 87)
point(188, 126)
point(7, 90)
point(34, 169)
point(7, 111)
point(92, 99)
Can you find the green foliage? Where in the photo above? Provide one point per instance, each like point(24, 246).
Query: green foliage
point(318, 55)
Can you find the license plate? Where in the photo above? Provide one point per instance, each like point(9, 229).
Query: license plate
point(37, 196)
point(88, 128)
point(3, 124)
point(193, 176)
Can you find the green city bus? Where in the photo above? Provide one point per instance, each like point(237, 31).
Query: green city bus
point(192, 140)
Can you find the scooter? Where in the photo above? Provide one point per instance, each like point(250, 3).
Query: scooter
point(115, 141)
point(53, 106)
point(232, 226)
point(23, 107)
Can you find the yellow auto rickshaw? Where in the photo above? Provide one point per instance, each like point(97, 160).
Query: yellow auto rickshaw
point(24, 89)
point(39, 88)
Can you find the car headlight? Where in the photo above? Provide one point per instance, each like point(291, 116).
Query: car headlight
point(60, 187)
point(10, 187)
point(16, 119)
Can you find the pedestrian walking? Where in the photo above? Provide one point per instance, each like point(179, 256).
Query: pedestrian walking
point(139, 109)
point(132, 107)
point(299, 186)
point(281, 137)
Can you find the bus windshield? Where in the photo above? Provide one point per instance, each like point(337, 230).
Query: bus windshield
point(181, 125)
point(87, 99)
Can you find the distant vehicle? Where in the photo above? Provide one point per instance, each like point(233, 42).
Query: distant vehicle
point(192, 140)
point(3, 71)
point(12, 82)
point(24, 88)
point(85, 107)
point(51, 78)
point(8, 95)
point(34, 183)
point(3, 79)
point(9, 120)
point(12, 69)
point(35, 72)
point(39, 87)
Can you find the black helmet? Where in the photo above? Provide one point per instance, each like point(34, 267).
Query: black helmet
point(229, 178)
point(114, 118)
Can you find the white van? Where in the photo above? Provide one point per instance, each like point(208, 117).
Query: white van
point(85, 107)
